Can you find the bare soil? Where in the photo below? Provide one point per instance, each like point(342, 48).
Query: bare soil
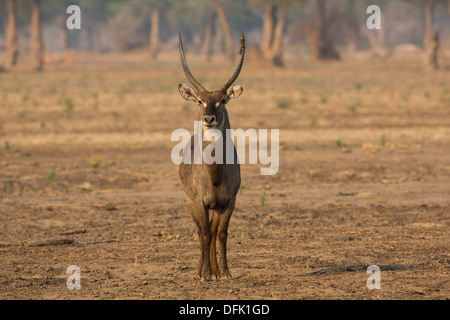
point(364, 179)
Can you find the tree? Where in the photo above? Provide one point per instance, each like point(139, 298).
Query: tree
point(55, 11)
point(431, 41)
point(273, 30)
point(207, 36)
point(226, 28)
point(12, 48)
point(428, 8)
point(155, 42)
point(430, 37)
point(137, 23)
point(36, 48)
point(323, 47)
point(352, 30)
point(242, 18)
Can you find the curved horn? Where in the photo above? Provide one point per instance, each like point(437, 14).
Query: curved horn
point(233, 78)
point(187, 72)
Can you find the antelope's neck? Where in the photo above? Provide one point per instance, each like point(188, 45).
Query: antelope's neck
point(216, 170)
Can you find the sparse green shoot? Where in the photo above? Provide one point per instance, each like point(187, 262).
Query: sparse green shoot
point(95, 163)
point(283, 103)
point(262, 197)
point(51, 175)
point(68, 106)
point(383, 140)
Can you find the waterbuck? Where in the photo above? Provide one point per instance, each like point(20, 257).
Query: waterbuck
point(211, 186)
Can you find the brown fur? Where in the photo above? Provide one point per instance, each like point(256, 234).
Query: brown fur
point(212, 187)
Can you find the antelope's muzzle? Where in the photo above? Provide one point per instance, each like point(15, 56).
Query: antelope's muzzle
point(209, 121)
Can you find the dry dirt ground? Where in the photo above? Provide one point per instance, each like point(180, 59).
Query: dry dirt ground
point(364, 179)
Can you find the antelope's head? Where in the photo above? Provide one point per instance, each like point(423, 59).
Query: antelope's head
point(211, 103)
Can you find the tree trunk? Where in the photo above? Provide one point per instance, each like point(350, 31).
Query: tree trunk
point(429, 18)
point(207, 36)
point(273, 30)
point(96, 38)
point(155, 43)
point(218, 45)
point(354, 25)
point(376, 39)
point(36, 48)
point(322, 44)
point(277, 45)
point(432, 51)
point(226, 28)
point(12, 47)
point(431, 41)
point(65, 37)
point(268, 30)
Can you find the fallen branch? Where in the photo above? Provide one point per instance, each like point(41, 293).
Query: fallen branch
point(356, 268)
point(100, 241)
point(55, 242)
point(107, 206)
point(4, 245)
point(39, 243)
point(73, 232)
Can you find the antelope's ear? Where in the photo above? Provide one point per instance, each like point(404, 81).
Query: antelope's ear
point(187, 93)
point(234, 92)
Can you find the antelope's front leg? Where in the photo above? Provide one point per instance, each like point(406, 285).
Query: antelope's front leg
point(214, 226)
point(200, 216)
point(200, 262)
point(222, 233)
point(205, 238)
point(206, 247)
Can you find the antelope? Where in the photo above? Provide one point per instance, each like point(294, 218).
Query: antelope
point(211, 186)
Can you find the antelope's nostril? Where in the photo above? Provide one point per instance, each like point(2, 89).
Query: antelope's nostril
point(209, 119)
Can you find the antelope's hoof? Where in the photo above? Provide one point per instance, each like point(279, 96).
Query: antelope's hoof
point(225, 275)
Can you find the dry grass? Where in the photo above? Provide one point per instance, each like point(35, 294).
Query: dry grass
point(364, 179)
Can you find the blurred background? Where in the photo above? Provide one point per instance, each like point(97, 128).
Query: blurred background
point(276, 30)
